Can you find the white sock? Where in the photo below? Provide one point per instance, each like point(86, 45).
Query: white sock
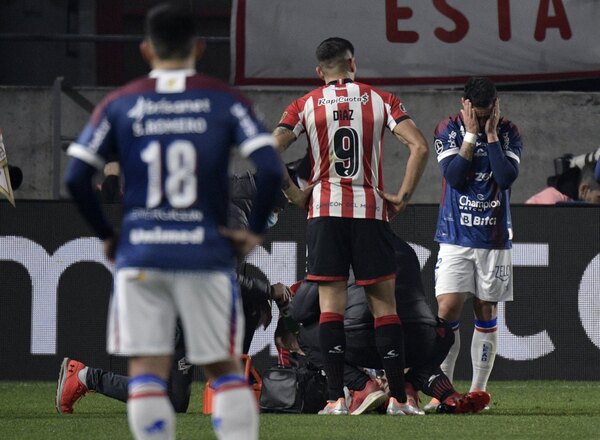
point(450, 361)
point(483, 353)
point(82, 375)
point(149, 410)
point(235, 411)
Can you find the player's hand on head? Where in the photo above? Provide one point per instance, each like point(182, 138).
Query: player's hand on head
point(491, 125)
point(469, 117)
point(242, 240)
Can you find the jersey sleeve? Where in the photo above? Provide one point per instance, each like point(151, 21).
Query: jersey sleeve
point(511, 142)
point(396, 112)
point(292, 118)
point(96, 143)
point(445, 143)
point(249, 134)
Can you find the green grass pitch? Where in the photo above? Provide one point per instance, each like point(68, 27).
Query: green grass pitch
point(525, 410)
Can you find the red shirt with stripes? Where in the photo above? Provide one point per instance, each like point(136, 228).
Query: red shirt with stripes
point(344, 122)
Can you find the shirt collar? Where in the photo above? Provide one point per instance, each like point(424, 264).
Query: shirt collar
point(155, 73)
point(339, 81)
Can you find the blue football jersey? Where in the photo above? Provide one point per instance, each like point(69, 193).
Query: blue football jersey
point(172, 133)
point(477, 214)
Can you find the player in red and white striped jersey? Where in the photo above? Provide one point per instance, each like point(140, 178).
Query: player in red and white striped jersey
point(348, 210)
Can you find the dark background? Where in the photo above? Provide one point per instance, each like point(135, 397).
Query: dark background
point(546, 298)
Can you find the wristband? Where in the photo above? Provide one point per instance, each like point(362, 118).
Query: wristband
point(470, 138)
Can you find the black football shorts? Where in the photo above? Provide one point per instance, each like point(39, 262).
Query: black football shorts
point(336, 243)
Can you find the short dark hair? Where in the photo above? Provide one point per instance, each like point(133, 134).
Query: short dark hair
point(588, 176)
point(172, 29)
point(333, 49)
point(480, 91)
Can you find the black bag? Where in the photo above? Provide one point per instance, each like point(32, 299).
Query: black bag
point(293, 390)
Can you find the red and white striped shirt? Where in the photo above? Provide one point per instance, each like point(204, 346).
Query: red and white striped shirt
point(344, 123)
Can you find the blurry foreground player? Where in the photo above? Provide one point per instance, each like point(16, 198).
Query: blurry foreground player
point(479, 154)
point(173, 133)
point(427, 341)
point(76, 378)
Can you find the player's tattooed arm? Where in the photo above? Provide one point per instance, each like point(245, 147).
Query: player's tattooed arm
point(408, 133)
point(284, 137)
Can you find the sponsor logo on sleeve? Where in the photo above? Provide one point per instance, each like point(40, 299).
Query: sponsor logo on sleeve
point(505, 141)
point(439, 146)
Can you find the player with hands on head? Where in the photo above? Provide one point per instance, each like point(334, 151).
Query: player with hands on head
point(173, 133)
point(479, 154)
point(348, 220)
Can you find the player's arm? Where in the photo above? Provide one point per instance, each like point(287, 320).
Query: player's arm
point(258, 146)
point(505, 170)
point(505, 167)
point(83, 166)
point(284, 137)
point(256, 289)
point(408, 133)
point(455, 167)
point(79, 183)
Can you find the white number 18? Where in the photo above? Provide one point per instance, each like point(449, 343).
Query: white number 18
point(180, 186)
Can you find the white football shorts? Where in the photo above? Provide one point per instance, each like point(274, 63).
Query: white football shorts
point(484, 273)
point(146, 303)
